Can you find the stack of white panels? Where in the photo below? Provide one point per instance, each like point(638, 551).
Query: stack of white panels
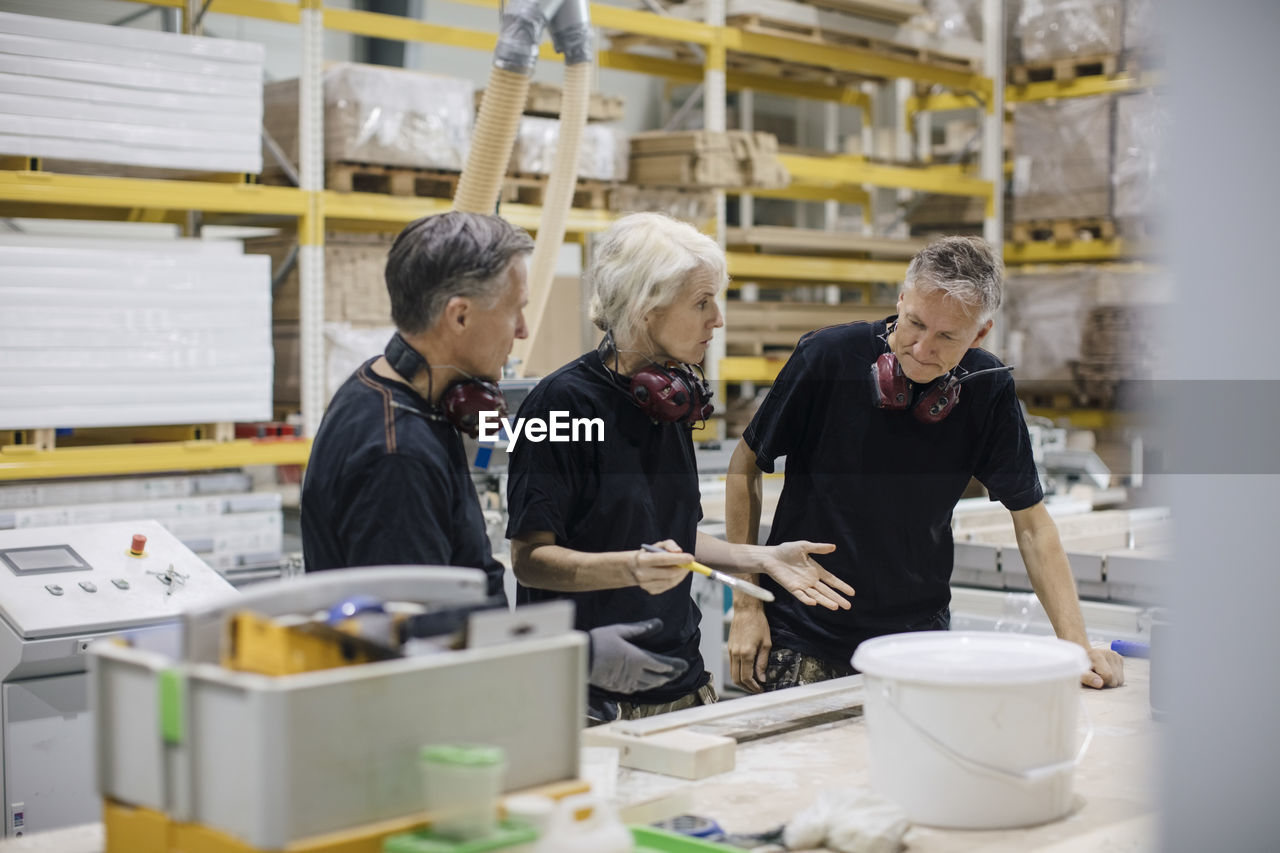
point(132, 332)
point(70, 90)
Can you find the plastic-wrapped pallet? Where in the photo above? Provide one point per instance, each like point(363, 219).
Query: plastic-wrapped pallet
point(1084, 329)
point(97, 93)
point(1142, 36)
point(1045, 315)
point(1062, 168)
point(957, 18)
point(1142, 127)
point(132, 332)
point(1049, 30)
point(384, 116)
point(603, 155)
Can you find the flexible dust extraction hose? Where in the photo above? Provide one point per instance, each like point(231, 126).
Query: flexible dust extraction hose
point(557, 201)
point(513, 61)
point(499, 120)
point(495, 133)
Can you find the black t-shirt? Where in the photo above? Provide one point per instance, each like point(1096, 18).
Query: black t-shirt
point(638, 485)
point(387, 485)
point(879, 485)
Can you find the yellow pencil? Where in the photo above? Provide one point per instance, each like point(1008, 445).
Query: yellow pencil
point(728, 580)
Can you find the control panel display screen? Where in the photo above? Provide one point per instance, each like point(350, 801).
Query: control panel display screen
point(43, 559)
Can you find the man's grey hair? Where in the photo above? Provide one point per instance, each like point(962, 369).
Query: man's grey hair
point(964, 268)
point(449, 254)
point(640, 263)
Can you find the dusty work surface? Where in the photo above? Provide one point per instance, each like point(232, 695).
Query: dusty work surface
point(776, 778)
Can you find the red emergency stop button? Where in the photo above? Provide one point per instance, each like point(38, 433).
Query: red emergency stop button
point(138, 546)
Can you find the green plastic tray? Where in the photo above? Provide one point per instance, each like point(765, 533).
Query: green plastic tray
point(509, 834)
point(650, 840)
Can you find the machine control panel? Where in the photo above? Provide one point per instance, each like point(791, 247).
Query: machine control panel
point(89, 578)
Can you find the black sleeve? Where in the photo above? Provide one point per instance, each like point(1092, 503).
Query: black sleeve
point(544, 478)
point(779, 425)
point(1006, 466)
point(400, 516)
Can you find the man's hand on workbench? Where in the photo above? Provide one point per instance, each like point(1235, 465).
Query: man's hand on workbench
point(794, 569)
point(749, 645)
point(1107, 669)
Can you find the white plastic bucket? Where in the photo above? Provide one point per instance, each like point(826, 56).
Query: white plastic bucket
point(973, 729)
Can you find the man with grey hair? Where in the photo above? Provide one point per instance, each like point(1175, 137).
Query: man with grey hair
point(882, 426)
point(388, 481)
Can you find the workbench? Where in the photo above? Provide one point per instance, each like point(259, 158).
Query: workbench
point(775, 778)
point(778, 777)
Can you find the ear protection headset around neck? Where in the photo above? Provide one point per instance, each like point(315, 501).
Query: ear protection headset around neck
point(670, 393)
point(463, 400)
point(891, 389)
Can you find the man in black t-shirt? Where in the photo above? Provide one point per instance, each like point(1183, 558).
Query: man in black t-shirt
point(880, 444)
point(388, 482)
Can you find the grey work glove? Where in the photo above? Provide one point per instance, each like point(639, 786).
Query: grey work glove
point(619, 665)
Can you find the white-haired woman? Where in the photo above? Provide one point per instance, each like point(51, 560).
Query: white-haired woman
point(580, 511)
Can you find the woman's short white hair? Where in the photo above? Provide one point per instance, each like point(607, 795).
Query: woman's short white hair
point(967, 269)
point(640, 263)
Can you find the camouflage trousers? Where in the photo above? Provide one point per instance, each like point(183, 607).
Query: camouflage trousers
point(704, 695)
point(789, 668)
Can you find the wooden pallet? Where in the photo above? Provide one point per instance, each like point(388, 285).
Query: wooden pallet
point(817, 75)
point(762, 328)
point(532, 189)
point(437, 183)
point(780, 27)
point(390, 180)
point(1064, 70)
point(745, 63)
point(1064, 230)
point(114, 170)
point(887, 10)
point(769, 67)
point(809, 241)
point(544, 100)
point(48, 438)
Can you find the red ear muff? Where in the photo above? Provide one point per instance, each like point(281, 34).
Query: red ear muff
point(889, 388)
point(463, 402)
point(936, 403)
point(671, 394)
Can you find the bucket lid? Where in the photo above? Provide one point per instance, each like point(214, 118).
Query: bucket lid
point(970, 657)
